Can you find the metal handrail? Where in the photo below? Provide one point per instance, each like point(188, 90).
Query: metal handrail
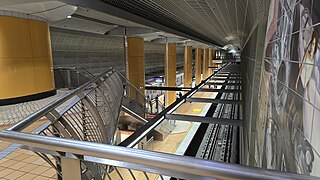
point(153, 103)
point(42, 112)
point(137, 90)
point(167, 164)
point(91, 115)
point(145, 161)
point(75, 68)
point(128, 81)
point(144, 130)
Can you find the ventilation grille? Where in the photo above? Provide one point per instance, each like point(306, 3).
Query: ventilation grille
point(220, 21)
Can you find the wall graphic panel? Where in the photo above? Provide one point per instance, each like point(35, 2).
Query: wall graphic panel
point(291, 140)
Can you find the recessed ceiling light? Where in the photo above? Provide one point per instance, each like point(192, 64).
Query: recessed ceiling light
point(69, 17)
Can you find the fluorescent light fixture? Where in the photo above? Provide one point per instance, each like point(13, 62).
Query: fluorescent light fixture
point(232, 51)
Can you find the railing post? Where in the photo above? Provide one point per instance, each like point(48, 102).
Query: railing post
point(137, 96)
point(71, 168)
point(68, 78)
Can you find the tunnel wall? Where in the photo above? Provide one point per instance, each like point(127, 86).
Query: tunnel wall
point(97, 53)
point(282, 89)
point(154, 56)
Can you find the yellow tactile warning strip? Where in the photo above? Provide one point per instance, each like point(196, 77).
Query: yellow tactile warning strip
point(197, 110)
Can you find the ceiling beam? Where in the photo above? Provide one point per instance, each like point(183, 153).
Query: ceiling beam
point(211, 120)
point(133, 32)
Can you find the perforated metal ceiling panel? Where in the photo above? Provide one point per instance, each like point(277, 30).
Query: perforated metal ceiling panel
point(220, 21)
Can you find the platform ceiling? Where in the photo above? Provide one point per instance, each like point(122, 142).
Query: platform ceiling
point(219, 22)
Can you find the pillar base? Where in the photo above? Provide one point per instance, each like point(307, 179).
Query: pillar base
point(10, 101)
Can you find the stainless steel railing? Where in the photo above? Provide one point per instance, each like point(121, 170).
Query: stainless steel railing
point(89, 112)
point(154, 106)
point(77, 135)
point(135, 159)
point(73, 77)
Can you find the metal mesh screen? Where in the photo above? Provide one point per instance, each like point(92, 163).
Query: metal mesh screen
point(220, 21)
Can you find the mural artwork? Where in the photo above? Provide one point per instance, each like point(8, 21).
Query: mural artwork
point(292, 78)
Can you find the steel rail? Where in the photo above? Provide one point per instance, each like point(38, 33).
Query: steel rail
point(170, 162)
point(168, 88)
point(42, 112)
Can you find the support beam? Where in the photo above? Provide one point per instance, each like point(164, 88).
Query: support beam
point(224, 121)
point(225, 60)
point(227, 75)
point(219, 90)
point(216, 54)
point(224, 83)
point(168, 88)
point(188, 66)
point(198, 65)
point(216, 101)
point(135, 64)
point(205, 63)
point(230, 72)
point(133, 114)
point(151, 124)
point(170, 60)
point(227, 79)
point(216, 63)
point(210, 61)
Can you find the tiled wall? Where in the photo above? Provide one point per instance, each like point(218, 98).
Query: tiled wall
point(97, 53)
point(286, 130)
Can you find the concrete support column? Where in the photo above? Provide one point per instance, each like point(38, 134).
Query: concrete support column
point(210, 62)
point(216, 54)
point(170, 59)
point(135, 65)
point(198, 65)
point(26, 70)
point(205, 63)
point(187, 66)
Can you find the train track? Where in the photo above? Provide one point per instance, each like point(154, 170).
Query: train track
point(220, 142)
